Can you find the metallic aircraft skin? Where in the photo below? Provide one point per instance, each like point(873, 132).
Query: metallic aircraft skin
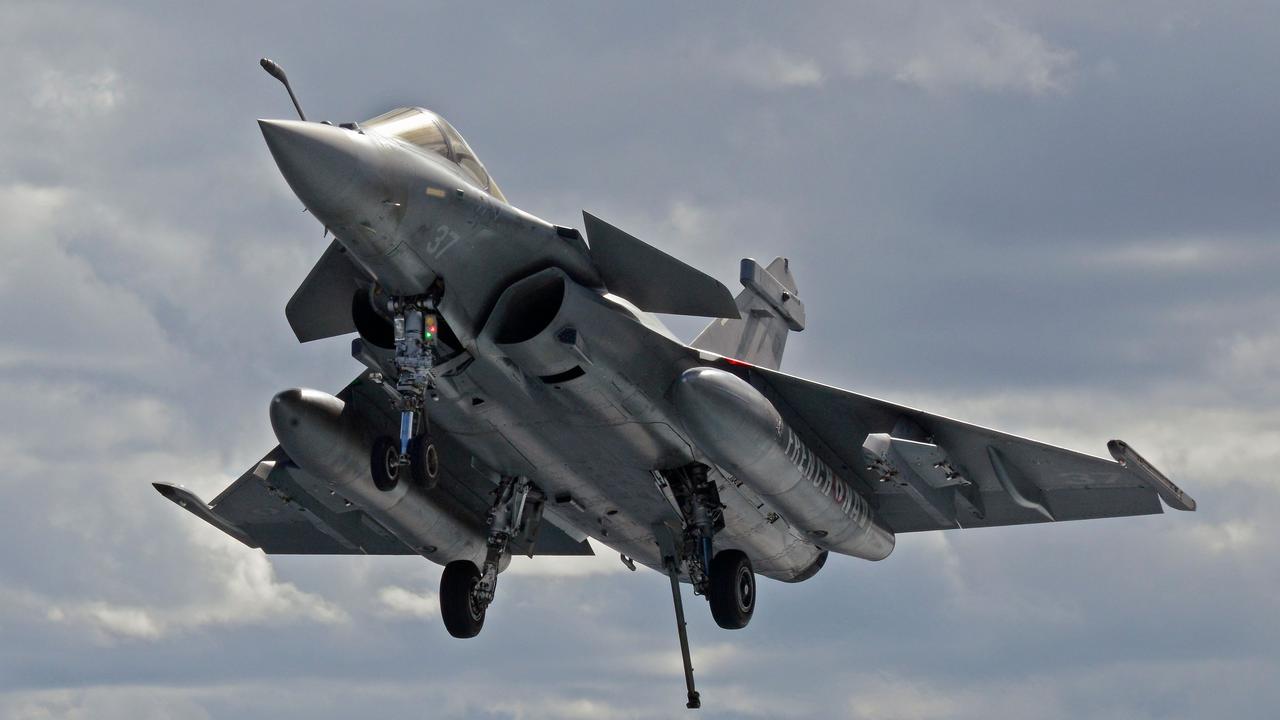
point(370, 191)
point(599, 446)
point(414, 222)
point(540, 402)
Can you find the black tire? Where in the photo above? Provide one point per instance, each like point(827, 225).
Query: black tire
point(384, 464)
point(424, 462)
point(732, 591)
point(457, 605)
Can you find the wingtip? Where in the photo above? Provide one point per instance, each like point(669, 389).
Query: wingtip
point(190, 502)
point(1170, 493)
point(165, 489)
point(177, 494)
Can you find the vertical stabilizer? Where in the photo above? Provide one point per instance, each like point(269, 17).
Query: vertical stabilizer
point(769, 307)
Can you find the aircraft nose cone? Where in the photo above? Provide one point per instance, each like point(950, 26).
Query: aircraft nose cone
point(320, 162)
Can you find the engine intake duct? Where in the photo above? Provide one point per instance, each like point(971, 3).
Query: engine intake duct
point(528, 307)
point(590, 356)
point(374, 327)
point(534, 326)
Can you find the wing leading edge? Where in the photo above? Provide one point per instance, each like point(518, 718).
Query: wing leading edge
point(928, 472)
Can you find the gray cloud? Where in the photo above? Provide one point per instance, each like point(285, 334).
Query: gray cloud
point(1056, 220)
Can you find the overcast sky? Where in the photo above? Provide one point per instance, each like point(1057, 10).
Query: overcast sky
point(1057, 219)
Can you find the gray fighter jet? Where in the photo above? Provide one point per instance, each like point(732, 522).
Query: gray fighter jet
point(519, 396)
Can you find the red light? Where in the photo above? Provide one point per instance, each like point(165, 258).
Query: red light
point(732, 361)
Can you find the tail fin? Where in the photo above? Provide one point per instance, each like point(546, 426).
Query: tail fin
point(769, 308)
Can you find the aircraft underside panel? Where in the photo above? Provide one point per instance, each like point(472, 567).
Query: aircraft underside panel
point(573, 399)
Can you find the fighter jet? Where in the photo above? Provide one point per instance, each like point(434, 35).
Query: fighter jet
point(519, 395)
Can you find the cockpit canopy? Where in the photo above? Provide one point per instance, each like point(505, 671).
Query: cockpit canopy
point(422, 128)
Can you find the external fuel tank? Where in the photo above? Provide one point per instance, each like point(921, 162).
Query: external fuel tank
point(329, 444)
point(741, 431)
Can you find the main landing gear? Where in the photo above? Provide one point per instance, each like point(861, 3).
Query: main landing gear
point(725, 578)
point(460, 605)
point(414, 455)
point(732, 590)
point(465, 590)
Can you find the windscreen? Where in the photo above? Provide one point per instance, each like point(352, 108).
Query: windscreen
point(424, 129)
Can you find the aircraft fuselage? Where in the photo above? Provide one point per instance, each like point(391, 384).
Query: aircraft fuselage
point(588, 418)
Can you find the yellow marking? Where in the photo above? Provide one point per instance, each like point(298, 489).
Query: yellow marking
point(435, 192)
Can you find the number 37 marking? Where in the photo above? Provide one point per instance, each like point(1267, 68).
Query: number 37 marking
point(441, 240)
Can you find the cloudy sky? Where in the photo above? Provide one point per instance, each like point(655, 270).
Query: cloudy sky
point(1057, 219)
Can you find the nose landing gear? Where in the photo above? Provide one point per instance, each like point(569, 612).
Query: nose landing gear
point(424, 461)
point(385, 464)
point(415, 327)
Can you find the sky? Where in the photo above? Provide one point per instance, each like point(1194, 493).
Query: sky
point(1061, 220)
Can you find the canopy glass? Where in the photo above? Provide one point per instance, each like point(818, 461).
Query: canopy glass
point(424, 129)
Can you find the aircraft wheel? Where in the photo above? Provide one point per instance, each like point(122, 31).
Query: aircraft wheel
point(462, 615)
point(424, 462)
point(384, 463)
point(732, 593)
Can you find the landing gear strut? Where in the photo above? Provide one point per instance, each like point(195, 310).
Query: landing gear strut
point(671, 563)
point(725, 578)
point(415, 455)
point(695, 498)
point(465, 590)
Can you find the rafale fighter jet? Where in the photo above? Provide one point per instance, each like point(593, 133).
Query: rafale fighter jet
point(519, 397)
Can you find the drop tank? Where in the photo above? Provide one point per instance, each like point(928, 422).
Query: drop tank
point(330, 444)
point(741, 431)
